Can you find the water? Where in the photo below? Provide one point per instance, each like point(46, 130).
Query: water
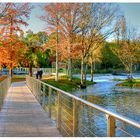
point(108, 95)
point(125, 101)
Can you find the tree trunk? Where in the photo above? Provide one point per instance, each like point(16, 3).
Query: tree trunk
point(11, 72)
point(91, 71)
point(82, 71)
point(30, 70)
point(56, 72)
point(11, 47)
point(86, 68)
point(70, 68)
point(130, 78)
point(56, 75)
point(94, 65)
point(131, 70)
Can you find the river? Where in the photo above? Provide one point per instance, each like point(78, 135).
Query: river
point(125, 101)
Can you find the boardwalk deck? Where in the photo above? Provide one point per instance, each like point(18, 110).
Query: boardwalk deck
point(22, 115)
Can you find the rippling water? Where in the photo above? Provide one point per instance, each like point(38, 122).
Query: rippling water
point(117, 99)
point(124, 101)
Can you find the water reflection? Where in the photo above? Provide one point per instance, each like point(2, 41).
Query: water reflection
point(125, 101)
point(92, 123)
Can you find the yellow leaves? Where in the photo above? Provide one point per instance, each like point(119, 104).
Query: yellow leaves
point(11, 51)
point(12, 12)
point(128, 53)
point(12, 48)
point(61, 20)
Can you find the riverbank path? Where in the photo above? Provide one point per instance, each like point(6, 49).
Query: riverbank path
point(23, 116)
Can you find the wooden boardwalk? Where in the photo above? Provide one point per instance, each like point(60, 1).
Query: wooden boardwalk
point(23, 116)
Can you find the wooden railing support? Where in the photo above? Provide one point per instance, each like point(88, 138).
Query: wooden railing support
point(59, 106)
point(43, 97)
point(49, 101)
point(75, 117)
point(110, 126)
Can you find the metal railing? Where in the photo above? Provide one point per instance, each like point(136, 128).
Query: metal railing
point(77, 117)
point(4, 86)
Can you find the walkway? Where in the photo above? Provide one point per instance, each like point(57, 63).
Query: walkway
point(22, 115)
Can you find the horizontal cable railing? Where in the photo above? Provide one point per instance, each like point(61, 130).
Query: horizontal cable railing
point(74, 116)
point(4, 86)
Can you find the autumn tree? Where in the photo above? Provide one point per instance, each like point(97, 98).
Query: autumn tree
point(52, 18)
point(128, 47)
point(69, 21)
point(50, 46)
point(63, 20)
point(95, 56)
point(96, 24)
point(3, 9)
point(82, 26)
point(15, 16)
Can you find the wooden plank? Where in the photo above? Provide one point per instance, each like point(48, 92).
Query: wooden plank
point(22, 115)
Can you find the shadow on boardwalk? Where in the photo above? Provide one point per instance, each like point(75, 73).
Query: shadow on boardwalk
point(22, 115)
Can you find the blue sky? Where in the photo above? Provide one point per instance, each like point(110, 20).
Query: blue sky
point(35, 24)
point(131, 12)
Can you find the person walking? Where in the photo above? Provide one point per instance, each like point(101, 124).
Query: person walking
point(40, 74)
point(37, 72)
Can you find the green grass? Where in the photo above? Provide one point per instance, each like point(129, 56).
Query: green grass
point(117, 79)
point(18, 78)
point(15, 78)
point(65, 84)
point(134, 84)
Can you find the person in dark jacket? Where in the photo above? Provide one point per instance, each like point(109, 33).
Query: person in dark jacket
point(37, 73)
point(40, 73)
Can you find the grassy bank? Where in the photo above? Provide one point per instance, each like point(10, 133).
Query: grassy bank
point(134, 84)
point(65, 84)
point(18, 78)
point(3, 78)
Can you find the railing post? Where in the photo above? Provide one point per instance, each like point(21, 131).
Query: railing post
point(110, 126)
point(43, 98)
point(59, 110)
point(39, 92)
point(49, 101)
point(75, 117)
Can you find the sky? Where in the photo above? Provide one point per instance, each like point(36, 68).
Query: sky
point(132, 14)
point(130, 10)
point(34, 23)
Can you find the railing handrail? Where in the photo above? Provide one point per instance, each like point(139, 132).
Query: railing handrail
point(97, 107)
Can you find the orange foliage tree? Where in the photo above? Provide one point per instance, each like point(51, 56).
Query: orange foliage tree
point(62, 20)
point(52, 16)
point(82, 26)
point(69, 21)
point(11, 42)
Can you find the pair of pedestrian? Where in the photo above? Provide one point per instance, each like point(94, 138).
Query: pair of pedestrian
point(39, 73)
